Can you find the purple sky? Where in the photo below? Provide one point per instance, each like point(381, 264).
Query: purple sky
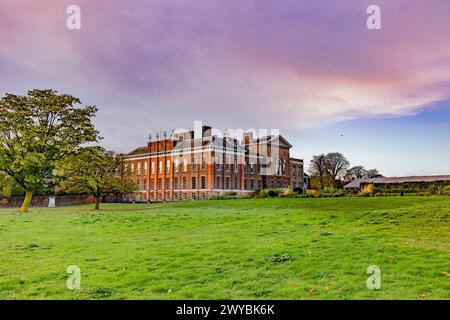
point(309, 68)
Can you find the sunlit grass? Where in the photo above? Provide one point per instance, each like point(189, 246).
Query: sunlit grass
point(231, 249)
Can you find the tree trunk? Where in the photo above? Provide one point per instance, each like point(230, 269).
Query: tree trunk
point(26, 201)
point(97, 202)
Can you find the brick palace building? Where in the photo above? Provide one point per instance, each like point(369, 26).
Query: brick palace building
point(180, 167)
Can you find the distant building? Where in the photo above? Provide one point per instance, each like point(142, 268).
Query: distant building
point(178, 166)
point(399, 184)
point(306, 181)
point(297, 173)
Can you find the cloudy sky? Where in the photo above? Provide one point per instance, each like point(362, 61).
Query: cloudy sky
point(310, 68)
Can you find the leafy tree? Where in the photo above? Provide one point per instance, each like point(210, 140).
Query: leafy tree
point(96, 172)
point(5, 185)
point(316, 183)
point(36, 131)
point(9, 187)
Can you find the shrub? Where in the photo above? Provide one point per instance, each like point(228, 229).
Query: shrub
point(224, 196)
point(6, 190)
point(289, 193)
point(432, 189)
point(272, 193)
point(264, 193)
point(368, 190)
point(298, 190)
point(6, 185)
point(438, 189)
point(312, 193)
point(250, 195)
point(331, 192)
point(446, 190)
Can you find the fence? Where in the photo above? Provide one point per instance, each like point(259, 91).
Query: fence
point(42, 201)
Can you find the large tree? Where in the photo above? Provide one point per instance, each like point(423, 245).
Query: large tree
point(318, 169)
point(373, 173)
point(359, 172)
point(356, 172)
point(96, 172)
point(36, 131)
point(336, 165)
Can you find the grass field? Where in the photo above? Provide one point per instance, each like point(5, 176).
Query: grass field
point(231, 249)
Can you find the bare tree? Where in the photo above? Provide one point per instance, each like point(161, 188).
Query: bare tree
point(336, 165)
point(373, 173)
point(333, 169)
point(318, 168)
point(356, 172)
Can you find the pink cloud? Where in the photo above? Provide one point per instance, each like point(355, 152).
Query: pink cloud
point(289, 64)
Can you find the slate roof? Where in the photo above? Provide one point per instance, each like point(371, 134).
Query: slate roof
point(275, 139)
point(217, 142)
point(138, 151)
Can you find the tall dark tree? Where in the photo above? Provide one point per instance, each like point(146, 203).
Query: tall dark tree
point(373, 173)
point(356, 172)
point(318, 169)
point(36, 131)
point(359, 172)
point(336, 165)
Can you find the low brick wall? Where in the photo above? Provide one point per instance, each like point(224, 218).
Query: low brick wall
point(42, 201)
point(113, 198)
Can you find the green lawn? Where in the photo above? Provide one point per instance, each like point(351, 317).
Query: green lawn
point(231, 249)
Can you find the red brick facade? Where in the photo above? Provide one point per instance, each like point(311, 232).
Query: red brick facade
point(180, 167)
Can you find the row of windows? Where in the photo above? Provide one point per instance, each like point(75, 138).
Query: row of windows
point(277, 184)
point(176, 196)
point(160, 167)
point(250, 184)
point(229, 183)
point(175, 183)
point(251, 168)
point(138, 170)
